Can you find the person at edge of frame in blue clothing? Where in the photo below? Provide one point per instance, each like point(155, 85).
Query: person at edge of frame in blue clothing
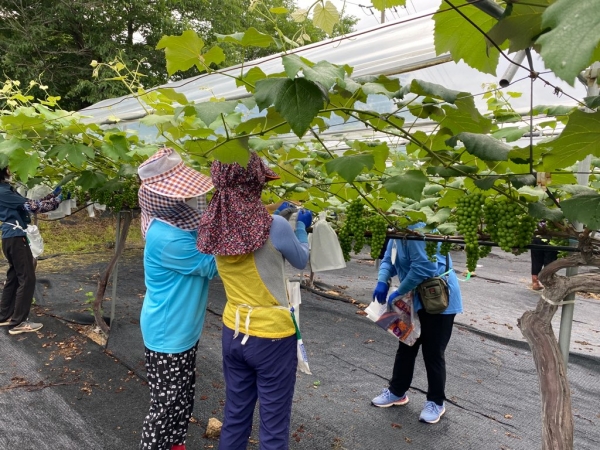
point(412, 266)
point(17, 295)
point(171, 197)
point(259, 341)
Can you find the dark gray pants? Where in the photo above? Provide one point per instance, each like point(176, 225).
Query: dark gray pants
point(20, 280)
point(436, 330)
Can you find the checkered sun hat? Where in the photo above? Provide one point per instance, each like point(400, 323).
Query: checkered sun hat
point(166, 174)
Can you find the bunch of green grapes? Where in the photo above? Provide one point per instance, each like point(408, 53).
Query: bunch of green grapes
point(469, 214)
point(356, 224)
point(509, 225)
point(352, 234)
point(378, 227)
point(484, 250)
point(345, 242)
point(445, 247)
point(431, 248)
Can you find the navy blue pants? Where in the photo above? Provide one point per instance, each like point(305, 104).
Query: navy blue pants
point(264, 370)
point(436, 330)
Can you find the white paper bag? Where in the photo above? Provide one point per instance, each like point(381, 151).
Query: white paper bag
point(325, 250)
point(36, 243)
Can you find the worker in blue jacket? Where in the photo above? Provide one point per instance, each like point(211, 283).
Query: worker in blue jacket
point(17, 295)
point(408, 260)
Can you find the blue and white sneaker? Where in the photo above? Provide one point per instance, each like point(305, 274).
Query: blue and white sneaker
point(386, 398)
point(432, 412)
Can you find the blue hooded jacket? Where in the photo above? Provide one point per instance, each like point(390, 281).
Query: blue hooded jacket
point(12, 210)
point(413, 267)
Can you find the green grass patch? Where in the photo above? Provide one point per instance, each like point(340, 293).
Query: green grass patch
point(81, 233)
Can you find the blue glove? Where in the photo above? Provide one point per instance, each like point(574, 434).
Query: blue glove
point(57, 190)
point(380, 292)
point(283, 206)
point(393, 296)
point(68, 195)
point(59, 198)
point(305, 216)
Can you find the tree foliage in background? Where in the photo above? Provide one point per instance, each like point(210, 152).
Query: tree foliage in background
point(55, 42)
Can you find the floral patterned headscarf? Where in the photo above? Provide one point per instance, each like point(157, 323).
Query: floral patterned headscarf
point(235, 221)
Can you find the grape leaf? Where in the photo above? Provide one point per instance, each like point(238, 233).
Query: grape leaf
point(454, 34)
point(427, 89)
point(348, 167)
point(89, 180)
point(172, 94)
point(214, 56)
point(462, 116)
point(457, 170)
point(520, 26)
point(541, 211)
point(250, 78)
point(409, 185)
point(569, 46)
point(235, 150)
point(23, 164)
point(115, 147)
point(518, 181)
point(298, 100)
point(380, 5)
point(249, 38)
point(9, 146)
point(439, 216)
point(208, 112)
point(592, 102)
point(484, 147)
point(583, 208)
point(581, 137)
point(76, 154)
point(511, 134)
point(182, 52)
point(323, 72)
point(326, 17)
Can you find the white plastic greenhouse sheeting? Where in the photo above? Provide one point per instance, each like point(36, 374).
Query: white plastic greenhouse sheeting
point(393, 48)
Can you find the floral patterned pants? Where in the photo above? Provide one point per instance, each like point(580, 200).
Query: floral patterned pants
point(172, 381)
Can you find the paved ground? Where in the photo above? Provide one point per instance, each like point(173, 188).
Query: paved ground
point(59, 389)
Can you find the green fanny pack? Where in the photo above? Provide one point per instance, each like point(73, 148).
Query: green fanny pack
point(434, 292)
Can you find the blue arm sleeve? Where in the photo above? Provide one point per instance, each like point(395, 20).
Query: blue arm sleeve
point(420, 267)
point(387, 269)
point(288, 243)
point(182, 256)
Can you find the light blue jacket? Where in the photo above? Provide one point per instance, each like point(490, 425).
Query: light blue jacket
point(176, 276)
point(413, 267)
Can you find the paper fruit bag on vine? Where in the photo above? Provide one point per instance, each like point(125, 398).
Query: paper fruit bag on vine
point(325, 250)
